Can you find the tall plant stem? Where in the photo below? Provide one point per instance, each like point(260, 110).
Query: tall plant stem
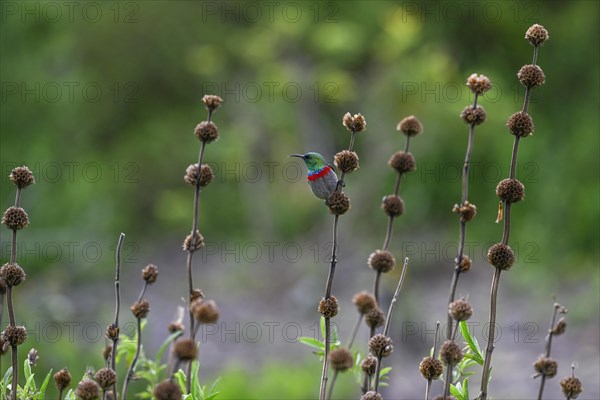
point(131, 370)
point(117, 305)
point(548, 347)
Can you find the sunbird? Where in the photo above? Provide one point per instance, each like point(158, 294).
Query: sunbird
point(322, 179)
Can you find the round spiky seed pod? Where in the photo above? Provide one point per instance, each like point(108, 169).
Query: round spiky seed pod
point(546, 366)
point(207, 132)
point(460, 310)
point(193, 245)
point(410, 126)
point(375, 318)
point(479, 84)
point(520, 124)
point(475, 116)
point(328, 307)
point(371, 395)
point(62, 379)
point(341, 359)
point(431, 368)
point(364, 302)
point(22, 177)
point(112, 332)
point(531, 75)
point(354, 123)
point(450, 353)
point(338, 203)
point(15, 218)
point(107, 352)
point(202, 178)
point(106, 378)
point(571, 387)
point(12, 274)
point(536, 35)
point(15, 335)
point(150, 273)
point(465, 263)
point(175, 326)
point(466, 212)
point(381, 261)
point(501, 256)
point(205, 311)
point(211, 102)
point(381, 345)
point(346, 161)
point(393, 205)
point(140, 309)
point(195, 295)
point(560, 327)
point(402, 162)
point(167, 390)
point(88, 390)
point(510, 190)
point(369, 365)
point(185, 349)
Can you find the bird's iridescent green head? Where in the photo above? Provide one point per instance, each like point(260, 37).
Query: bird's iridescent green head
point(314, 161)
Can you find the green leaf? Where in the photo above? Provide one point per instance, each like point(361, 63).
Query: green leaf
point(180, 376)
point(27, 369)
point(384, 372)
point(473, 345)
point(456, 391)
point(466, 389)
point(322, 323)
point(312, 342)
point(45, 385)
point(27, 385)
point(70, 395)
point(166, 344)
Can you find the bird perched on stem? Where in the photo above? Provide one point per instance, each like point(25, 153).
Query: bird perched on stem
point(322, 179)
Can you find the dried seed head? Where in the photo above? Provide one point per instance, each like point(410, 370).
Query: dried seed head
point(341, 359)
point(185, 349)
point(22, 177)
point(328, 307)
point(32, 357)
point(381, 261)
point(465, 263)
point(346, 161)
point(205, 311)
point(195, 295)
point(112, 332)
point(531, 75)
point(431, 368)
point(140, 309)
point(479, 84)
point(354, 123)
point(381, 345)
point(173, 327)
point(211, 102)
point(364, 302)
point(392, 205)
point(2, 286)
point(338, 203)
point(107, 352)
point(560, 327)
point(371, 395)
point(150, 273)
point(167, 390)
point(571, 387)
point(4, 345)
point(369, 365)
point(410, 126)
point(467, 211)
point(193, 245)
point(375, 318)
point(510, 190)
point(450, 353)
point(501, 256)
point(546, 366)
point(520, 124)
point(15, 218)
point(191, 175)
point(88, 390)
point(15, 335)
point(402, 162)
point(473, 116)
point(536, 34)
point(12, 274)
point(106, 378)
point(62, 379)
point(207, 132)
point(460, 310)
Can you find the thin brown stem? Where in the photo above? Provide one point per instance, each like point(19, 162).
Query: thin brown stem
point(355, 331)
point(548, 347)
point(138, 349)
point(117, 304)
point(330, 393)
point(492, 330)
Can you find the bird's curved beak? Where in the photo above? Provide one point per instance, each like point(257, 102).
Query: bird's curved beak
point(298, 155)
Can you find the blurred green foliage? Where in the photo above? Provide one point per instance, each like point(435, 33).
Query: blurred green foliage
point(102, 107)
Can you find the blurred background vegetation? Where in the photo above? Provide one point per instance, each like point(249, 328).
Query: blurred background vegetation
point(100, 99)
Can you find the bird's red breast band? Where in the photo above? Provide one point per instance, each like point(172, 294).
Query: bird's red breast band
point(319, 174)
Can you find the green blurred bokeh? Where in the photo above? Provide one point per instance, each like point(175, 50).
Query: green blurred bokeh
point(100, 100)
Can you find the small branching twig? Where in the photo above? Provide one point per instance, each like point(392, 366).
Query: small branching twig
point(545, 366)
